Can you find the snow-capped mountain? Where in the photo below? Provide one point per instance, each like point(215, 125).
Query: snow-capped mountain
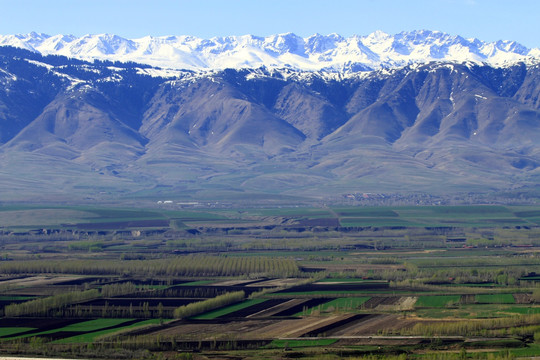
point(317, 52)
point(71, 128)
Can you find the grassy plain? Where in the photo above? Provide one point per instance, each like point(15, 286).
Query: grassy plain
point(25, 216)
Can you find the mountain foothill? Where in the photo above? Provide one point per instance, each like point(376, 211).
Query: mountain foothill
point(77, 129)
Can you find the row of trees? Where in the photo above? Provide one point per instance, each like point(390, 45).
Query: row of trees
point(52, 304)
point(48, 304)
point(200, 307)
point(111, 290)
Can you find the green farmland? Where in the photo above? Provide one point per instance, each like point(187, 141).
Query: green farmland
point(328, 282)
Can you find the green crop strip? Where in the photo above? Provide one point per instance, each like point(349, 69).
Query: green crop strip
point(229, 309)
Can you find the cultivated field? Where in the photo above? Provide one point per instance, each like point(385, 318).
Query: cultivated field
point(166, 283)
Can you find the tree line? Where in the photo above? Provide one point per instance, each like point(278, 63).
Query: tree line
point(196, 308)
point(53, 304)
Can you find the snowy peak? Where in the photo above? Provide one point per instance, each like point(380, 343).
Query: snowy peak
point(317, 52)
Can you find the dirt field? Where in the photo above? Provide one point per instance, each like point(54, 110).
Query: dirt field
point(372, 324)
point(210, 330)
point(278, 308)
point(522, 298)
point(252, 329)
point(376, 301)
point(403, 303)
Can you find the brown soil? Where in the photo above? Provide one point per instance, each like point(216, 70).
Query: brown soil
point(468, 299)
point(249, 329)
point(376, 301)
point(298, 327)
point(402, 303)
point(278, 308)
point(373, 324)
point(522, 298)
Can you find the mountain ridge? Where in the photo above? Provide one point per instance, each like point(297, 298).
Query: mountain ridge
point(98, 130)
point(317, 52)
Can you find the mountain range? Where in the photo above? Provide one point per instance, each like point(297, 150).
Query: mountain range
point(73, 129)
point(317, 52)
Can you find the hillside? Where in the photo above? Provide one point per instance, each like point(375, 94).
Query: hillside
point(72, 129)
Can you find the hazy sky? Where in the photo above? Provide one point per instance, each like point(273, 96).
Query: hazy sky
point(487, 20)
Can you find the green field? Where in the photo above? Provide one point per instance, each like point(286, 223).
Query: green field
point(23, 217)
point(370, 212)
point(414, 216)
point(340, 304)
point(495, 299)
point(353, 222)
point(83, 327)
point(437, 300)
point(90, 330)
point(8, 331)
point(197, 283)
point(408, 216)
point(91, 336)
point(229, 309)
point(477, 311)
point(471, 269)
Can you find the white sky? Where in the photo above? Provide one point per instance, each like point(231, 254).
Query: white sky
point(487, 20)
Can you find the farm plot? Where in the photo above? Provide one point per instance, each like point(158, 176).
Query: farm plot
point(437, 300)
point(10, 331)
point(351, 281)
point(257, 309)
point(328, 288)
point(211, 290)
point(114, 225)
point(339, 323)
point(372, 324)
point(376, 301)
point(31, 326)
point(495, 299)
point(221, 329)
point(340, 304)
point(299, 307)
point(293, 343)
point(229, 309)
point(79, 328)
point(362, 222)
point(139, 302)
point(384, 212)
point(88, 337)
point(403, 303)
point(136, 307)
point(77, 332)
point(281, 305)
